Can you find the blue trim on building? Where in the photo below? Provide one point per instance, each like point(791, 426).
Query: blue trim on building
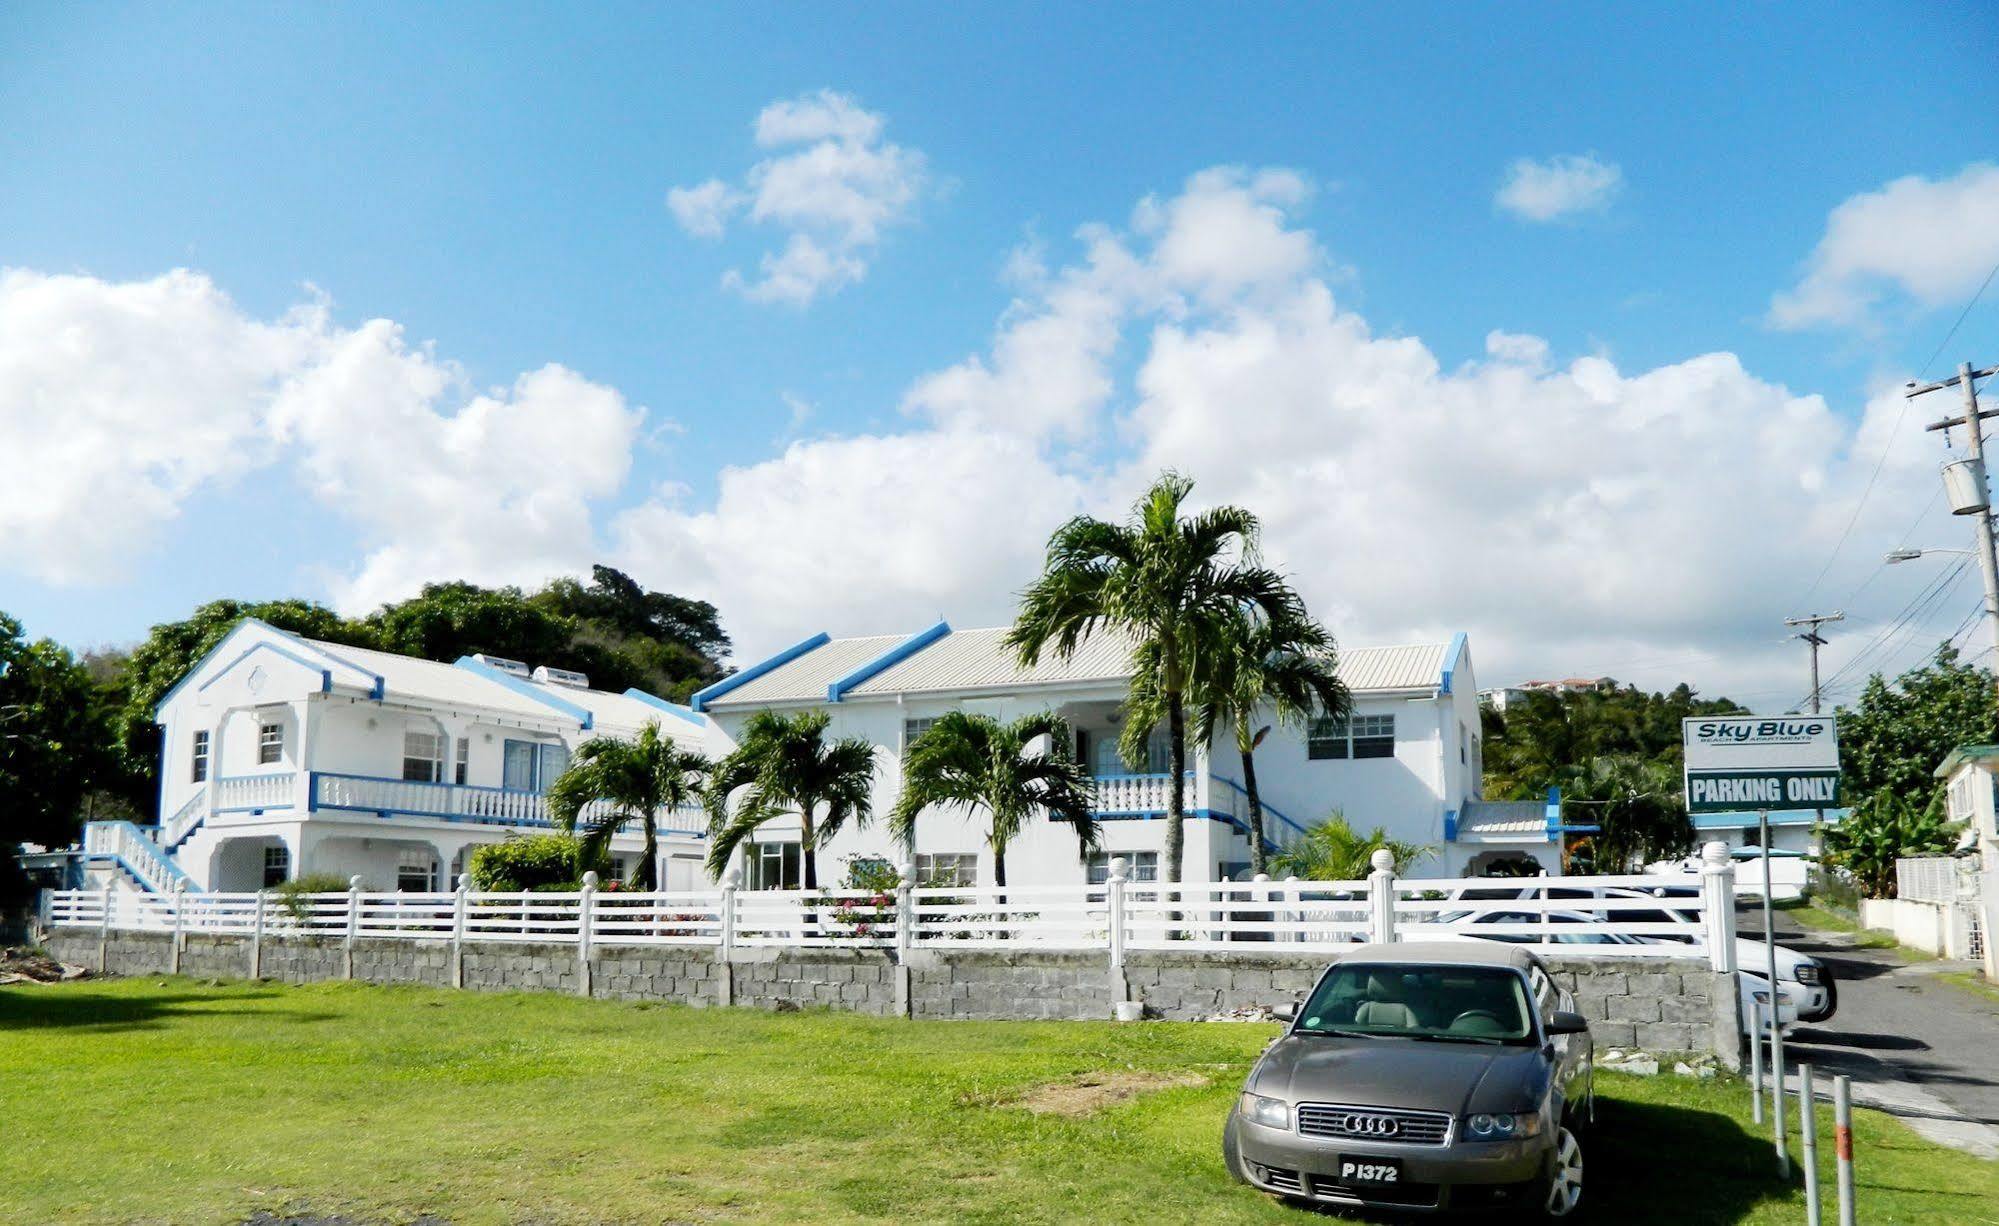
point(702, 697)
point(1269, 810)
point(1778, 817)
point(326, 681)
point(378, 686)
point(579, 714)
point(671, 708)
point(887, 659)
point(1450, 825)
point(1554, 813)
point(1452, 655)
point(325, 674)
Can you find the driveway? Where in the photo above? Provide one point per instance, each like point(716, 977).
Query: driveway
point(1914, 1045)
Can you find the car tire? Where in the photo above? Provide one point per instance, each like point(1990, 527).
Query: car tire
point(1231, 1152)
point(1562, 1187)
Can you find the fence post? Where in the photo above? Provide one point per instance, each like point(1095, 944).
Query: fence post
point(1808, 1131)
point(1293, 913)
point(1114, 905)
point(353, 919)
point(585, 909)
point(257, 938)
point(104, 932)
point(458, 905)
point(1381, 897)
point(1842, 1143)
point(727, 949)
point(1718, 906)
point(905, 937)
point(45, 901)
point(180, 892)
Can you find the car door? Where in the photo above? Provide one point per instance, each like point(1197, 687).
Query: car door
point(1572, 1053)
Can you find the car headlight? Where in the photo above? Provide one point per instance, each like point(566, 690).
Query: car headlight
point(1269, 1112)
point(1808, 974)
point(1503, 1127)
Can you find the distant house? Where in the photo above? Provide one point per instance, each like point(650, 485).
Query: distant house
point(1409, 758)
point(1500, 697)
point(283, 755)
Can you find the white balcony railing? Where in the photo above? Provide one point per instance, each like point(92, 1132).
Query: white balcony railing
point(241, 793)
point(1122, 795)
point(464, 803)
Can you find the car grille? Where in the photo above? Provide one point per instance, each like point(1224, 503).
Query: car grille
point(1374, 1124)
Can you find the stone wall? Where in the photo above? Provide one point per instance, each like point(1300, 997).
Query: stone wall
point(1658, 1005)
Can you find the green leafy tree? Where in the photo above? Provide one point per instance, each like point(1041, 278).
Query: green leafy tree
point(1898, 731)
point(636, 782)
point(55, 744)
point(1541, 737)
point(1173, 585)
point(1286, 669)
point(1885, 828)
point(785, 764)
point(974, 764)
point(1637, 804)
point(530, 862)
point(1334, 851)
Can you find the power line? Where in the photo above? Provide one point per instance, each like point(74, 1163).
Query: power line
point(1961, 316)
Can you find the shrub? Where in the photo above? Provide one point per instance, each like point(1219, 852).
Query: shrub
point(293, 894)
point(538, 862)
point(1882, 829)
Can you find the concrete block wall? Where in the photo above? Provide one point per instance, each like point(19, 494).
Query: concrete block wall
point(1665, 1006)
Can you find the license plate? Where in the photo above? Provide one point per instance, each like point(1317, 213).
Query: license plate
point(1370, 1170)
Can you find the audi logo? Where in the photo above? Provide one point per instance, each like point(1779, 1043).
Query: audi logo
point(1371, 1125)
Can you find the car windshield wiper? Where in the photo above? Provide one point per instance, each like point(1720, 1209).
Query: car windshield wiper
point(1460, 1038)
point(1343, 1034)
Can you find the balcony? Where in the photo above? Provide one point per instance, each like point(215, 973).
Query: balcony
point(457, 802)
point(1141, 795)
point(1124, 796)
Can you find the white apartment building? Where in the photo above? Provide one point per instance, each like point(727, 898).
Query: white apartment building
point(283, 755)
point(1409, 759)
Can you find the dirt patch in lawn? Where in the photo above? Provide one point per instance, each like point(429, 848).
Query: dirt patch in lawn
point(1087, 1092)
point(19, 965)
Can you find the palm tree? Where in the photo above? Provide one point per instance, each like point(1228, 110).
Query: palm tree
point(1334, 851)
point(1173, 585)
point(974, 762)
point(1289, 668)
point(1635, 802)
point(637, 781)
point(784, 763)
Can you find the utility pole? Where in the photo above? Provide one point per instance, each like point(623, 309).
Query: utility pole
point(1964, 480)
point(1812, 636)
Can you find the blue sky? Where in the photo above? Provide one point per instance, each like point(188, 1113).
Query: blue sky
point(495, 180)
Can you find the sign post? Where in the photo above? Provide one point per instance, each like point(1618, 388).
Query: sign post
point(1768, 762)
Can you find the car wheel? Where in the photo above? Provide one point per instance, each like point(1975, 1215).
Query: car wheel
point(1231, 1152)
point(1564, 1186)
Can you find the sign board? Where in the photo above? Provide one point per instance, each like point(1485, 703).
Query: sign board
point(1737, 762)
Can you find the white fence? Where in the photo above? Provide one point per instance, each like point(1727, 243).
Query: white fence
point(1937, 879)
point(1612, 917)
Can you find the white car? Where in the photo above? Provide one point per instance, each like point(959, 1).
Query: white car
point(1807, 983)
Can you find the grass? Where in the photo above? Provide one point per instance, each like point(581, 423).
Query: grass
point(175, 1100)
point(1821, 919)
point(1972, 982)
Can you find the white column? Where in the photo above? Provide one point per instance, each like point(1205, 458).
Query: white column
point(1381, 897)
point(1718, 906)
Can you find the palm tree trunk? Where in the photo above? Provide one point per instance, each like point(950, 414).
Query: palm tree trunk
point(999, 884)
point(648, 875)
point(806, 846)
point(1176, 800)
point(1259, 853)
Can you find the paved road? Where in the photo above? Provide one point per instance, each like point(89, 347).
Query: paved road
point(1922, 1048)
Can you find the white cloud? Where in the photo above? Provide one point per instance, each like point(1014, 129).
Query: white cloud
point(1558, 187)
point(119, 402)
point(1931, 241)
point(832, 186)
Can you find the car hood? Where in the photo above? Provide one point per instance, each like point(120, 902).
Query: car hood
point(1751, 956)
point(1419, 1076)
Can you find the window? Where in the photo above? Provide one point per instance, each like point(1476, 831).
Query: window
point(1418, 1001)
point(277, 865)
point(464, 759)
point(1138, 866)
point(1364, 736)
point(1464, 745)
point(198, 768)
point(416, 871)
point(530, 766)
point(947, 869)
point(270, 744)
point(772, 866)
point(423, 756)
point(913, 728)
point(1110, 762)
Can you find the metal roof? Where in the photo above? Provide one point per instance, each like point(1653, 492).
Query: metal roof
point(410, 677)
point(805, 678)
point(980, 659)
point(1415, 666)
point(1503, 819)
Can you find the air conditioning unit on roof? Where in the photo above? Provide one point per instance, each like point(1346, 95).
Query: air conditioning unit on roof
point(516, 668)
point(561, 676)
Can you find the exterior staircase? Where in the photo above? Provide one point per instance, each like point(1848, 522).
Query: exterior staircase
point(133, 858)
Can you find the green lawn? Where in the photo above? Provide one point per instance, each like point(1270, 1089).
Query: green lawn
point(175, 1100)
point(1822, 919)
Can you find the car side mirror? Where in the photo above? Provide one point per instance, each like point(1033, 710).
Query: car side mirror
point(1567, 1023)
point(1286, 1012)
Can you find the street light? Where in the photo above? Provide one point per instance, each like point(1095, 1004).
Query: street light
point(1910, 555)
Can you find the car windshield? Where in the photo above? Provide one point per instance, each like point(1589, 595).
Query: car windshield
point(1469, 1004)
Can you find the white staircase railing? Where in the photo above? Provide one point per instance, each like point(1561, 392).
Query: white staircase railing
point(174, 830)
point(136, 854)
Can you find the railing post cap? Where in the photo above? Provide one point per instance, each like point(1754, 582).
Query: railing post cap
point(1292, 879)
point(907, 872)
point(732, 878)
point(464, 881)
point(590, 880)
point(1261, 877)
point(1714, 854)
point(354, 882)
point(1383, 860)
point(1118, 866)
